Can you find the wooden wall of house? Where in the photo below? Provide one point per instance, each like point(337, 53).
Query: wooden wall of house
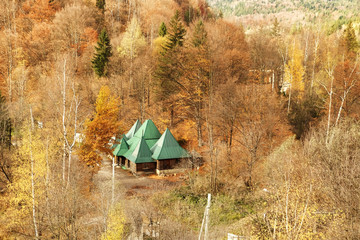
point(122, 161)
point(132, 166)
point(142, 167)
point(167, 163)
point(148, 167)
point(127, 163)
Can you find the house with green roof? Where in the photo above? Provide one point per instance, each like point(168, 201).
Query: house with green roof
point(120, 150)
point(143, 148)
point(167, 152)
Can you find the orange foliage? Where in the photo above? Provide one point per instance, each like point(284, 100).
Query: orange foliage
point(39, 10)
point(101, 128)
point(88, 37)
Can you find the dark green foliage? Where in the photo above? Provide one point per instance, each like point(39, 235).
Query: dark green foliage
point(168, 69)
point(102, 54)
point(100, 4)
point(350, 38)
point(200, 35)
point(167, 73)
point(189, 15)
point(162, 30)
point(176, 32)
point(5, 124)
point(302, 113)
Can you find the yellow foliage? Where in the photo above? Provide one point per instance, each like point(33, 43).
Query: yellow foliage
point(20, 199)
point(133, 39)
point(158, 43)
point(294, 70)
point(116, 224)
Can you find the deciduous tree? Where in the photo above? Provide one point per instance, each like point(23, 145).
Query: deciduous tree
point(99, 130)
point(132, 42)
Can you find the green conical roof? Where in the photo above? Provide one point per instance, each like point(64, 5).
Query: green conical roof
point(124, 137)
point(121, 148)
point(133, 129)
point(140, 153)
point(168, 148)
point(148, 130)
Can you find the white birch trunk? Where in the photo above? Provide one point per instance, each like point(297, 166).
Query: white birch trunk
point(314, 64)
point(33, 184)
point(63, 118)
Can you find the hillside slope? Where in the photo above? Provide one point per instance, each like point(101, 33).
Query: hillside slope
point(250, 7)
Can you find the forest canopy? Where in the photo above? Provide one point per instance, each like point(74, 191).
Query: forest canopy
point(265, 95)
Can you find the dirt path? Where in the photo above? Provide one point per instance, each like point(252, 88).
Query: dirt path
point(144, 184)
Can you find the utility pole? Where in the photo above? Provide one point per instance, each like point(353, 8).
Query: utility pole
point(113, 181)
point(206, 219)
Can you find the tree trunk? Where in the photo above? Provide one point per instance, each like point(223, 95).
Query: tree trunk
point(33, 186)
point(288, 108)
point(314, 64)
point(199, 133)
point(329, 111)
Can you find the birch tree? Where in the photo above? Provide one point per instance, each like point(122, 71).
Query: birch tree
point(69, 115)
point(27, 190)
point(131, 43)
point(294, 73)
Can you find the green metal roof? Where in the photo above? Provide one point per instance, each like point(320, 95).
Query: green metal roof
point(124, 137)
point(121, 148)
point(134, 141)
point(140, 153)
point(133, 129)
point(168, 148)
point(114, 146)
point(148, 130)
point(151, 142)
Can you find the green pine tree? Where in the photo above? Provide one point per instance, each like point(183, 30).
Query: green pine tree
point(102, 55)
point(189, 15)
point(100, 4)
point(200, 35)
point(162, 30)
point(350, 38)
point(176, 32)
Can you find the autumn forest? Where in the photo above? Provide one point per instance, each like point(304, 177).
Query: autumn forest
point(264, 96)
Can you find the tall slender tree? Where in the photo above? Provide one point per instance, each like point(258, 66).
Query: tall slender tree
point(101, 128)
point(352, 44)
point(176, 32)
point(131, 44)
point(162, 30)
point(102, 54)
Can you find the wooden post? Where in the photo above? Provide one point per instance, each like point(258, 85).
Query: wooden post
point(206, 219)
point(113, 181)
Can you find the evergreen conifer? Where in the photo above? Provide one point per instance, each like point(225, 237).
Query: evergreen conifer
point(176, 32)
point(100, 4)
point(200, 35)
point(162, 30)
point(102, 55)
